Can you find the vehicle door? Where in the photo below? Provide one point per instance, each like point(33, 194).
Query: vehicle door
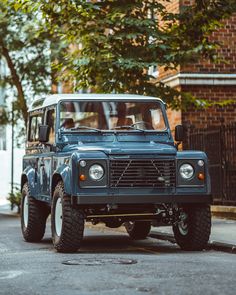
point(34, 149)
point(46, 159)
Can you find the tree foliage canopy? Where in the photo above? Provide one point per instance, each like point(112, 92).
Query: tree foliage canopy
point(112, 43)
point(27, 51)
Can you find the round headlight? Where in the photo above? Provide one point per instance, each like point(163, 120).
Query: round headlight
point(96, 172)
point(186, 171)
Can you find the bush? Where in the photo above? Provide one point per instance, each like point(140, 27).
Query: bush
point(15, 199)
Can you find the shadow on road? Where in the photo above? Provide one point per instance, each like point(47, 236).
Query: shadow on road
point(119, 244)
point(95, 241)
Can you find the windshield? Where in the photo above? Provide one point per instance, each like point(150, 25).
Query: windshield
point(111, 115)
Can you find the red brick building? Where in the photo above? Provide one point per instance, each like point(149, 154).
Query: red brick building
point(216, 82)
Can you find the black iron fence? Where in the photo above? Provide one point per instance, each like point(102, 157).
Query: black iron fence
point(219, 143)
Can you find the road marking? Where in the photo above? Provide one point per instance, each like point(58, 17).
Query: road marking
point(8, 275)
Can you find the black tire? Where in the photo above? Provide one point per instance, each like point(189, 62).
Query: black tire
point(138, 230)
point(33, 221)
point(68, 237)
point(193, 233)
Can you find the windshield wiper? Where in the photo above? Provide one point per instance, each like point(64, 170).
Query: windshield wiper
point(129, 127)
point(85, 127)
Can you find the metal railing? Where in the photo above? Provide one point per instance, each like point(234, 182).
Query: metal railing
point(219, 143)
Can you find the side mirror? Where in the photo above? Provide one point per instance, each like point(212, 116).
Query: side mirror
point(44, 133)
point(179, 133)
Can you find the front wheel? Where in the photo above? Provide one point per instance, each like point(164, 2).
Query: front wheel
point(193, 230)
point(33, 216)
point(67, 222)
point(138, 230)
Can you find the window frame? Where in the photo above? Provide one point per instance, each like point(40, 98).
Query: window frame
point(161, 106)
point(37, 114)
point(47, 110)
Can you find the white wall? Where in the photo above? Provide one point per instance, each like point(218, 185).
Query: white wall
point(5, 167)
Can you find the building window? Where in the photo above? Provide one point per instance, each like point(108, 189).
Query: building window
point(153, 71)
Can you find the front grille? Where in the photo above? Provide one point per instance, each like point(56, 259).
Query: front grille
point(158, 173)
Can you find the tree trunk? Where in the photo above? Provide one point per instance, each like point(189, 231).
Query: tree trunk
point(16, 81)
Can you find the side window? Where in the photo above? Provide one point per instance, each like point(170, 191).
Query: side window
point(50, 121)
point(35, 121)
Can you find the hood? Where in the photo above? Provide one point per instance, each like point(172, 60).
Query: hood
point(119, 148)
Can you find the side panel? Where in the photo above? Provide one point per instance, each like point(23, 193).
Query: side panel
point(37, 168)
point(45, 171)
point(30, 170)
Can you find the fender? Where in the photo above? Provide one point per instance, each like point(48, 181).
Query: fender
point(62, 173)
point(29, 176)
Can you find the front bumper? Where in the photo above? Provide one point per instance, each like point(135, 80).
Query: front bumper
point(86, 199)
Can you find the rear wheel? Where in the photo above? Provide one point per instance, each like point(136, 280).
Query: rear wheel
point(67, 222)
point(193, 231)
point(138, 230)
point(33, 216)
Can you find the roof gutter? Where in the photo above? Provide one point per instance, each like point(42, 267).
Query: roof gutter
point(213, 79)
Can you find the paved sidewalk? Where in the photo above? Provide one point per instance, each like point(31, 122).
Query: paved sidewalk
point(5, 208)
point(223, 234)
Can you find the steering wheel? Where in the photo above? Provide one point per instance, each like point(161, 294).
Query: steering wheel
point(142, 122)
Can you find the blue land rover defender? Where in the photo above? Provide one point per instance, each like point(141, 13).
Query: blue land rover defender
point(112, 159)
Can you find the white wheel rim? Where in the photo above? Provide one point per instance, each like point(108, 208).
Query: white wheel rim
point(130, 225)
point(58, 217)
point(26, 210)
point(183, 228)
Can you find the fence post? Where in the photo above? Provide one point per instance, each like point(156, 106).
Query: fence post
point(187, 132)
point(223, 160)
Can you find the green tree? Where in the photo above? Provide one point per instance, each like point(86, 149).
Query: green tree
point(114, 42)
point(27, 51)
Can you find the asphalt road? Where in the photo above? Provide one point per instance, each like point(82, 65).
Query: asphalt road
point(109, 263)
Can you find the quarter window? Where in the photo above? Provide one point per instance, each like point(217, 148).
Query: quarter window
point(51, 124)
point(35, 121)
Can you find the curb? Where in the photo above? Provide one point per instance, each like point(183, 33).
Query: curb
point(5, 210)
point(5, 214)
point(212, 245)
point(218, 246)
point(228, 212)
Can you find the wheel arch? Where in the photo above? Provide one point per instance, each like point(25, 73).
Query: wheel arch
point(29, 175)
point(55, 179)
point(63, 173)
point(24, 179)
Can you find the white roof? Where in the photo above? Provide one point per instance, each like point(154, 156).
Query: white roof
point(55, 98)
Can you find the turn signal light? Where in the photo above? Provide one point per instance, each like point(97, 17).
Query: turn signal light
point(201, 176)
point(82, 177)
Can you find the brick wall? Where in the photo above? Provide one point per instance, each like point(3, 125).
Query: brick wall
point(172, 6)
point(186, 2)
point(213, 115)
point(226, 36)
point(174, 118)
